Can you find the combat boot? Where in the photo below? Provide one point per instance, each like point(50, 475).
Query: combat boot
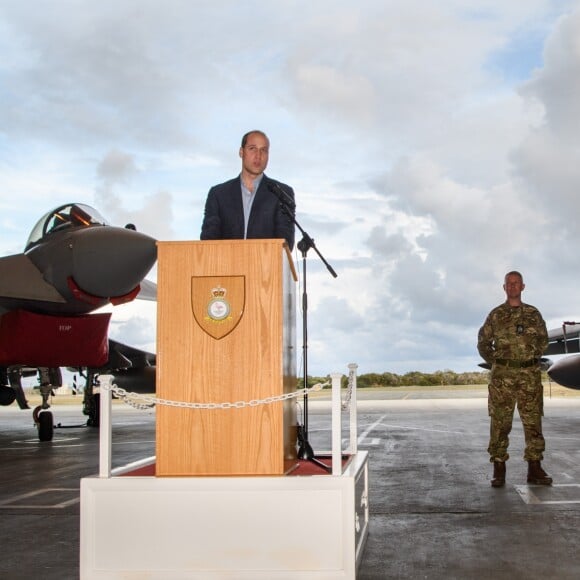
point(537, 475)
point(498, 474)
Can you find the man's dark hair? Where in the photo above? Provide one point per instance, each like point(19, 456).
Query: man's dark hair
point(514, 273)
point(245, 137)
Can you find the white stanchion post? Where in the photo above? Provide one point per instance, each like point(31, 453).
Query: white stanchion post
point(353, 411)
point(105, 433)
point(336, 422)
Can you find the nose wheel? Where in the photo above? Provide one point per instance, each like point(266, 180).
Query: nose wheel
point(44, 422)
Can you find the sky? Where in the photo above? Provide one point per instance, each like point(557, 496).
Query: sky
point(432, 147)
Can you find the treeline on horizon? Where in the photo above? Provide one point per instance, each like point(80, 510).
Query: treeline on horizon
point(413, 378)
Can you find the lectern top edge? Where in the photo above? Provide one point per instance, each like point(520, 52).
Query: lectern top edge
point(253, 241)
point(256, 241)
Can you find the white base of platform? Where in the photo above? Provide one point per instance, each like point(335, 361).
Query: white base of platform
point(244, 528)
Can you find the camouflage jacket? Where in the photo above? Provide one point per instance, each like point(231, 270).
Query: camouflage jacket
point(512, 333)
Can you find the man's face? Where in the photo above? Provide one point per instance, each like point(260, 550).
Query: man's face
point(255, 154)
point(513, 286)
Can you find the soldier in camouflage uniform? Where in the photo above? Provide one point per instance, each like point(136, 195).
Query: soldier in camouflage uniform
point(512, 340)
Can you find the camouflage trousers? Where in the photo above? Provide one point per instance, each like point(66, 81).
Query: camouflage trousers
point(507, 388)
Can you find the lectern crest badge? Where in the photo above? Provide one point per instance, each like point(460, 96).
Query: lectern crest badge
point(218, 307)
point(218, 303)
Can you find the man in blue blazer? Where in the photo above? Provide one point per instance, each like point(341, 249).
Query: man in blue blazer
point(251, 205)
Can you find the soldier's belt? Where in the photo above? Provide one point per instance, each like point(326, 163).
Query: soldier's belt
point(516, 364)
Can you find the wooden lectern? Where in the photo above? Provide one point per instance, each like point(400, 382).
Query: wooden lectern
point(226, 332)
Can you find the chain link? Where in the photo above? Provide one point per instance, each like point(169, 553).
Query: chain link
point(349, 388)
point(143, 402)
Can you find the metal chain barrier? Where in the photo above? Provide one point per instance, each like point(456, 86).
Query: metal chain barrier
point(143, 402)
point(348, 395)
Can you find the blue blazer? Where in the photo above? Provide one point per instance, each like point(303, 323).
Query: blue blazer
point(224, 213)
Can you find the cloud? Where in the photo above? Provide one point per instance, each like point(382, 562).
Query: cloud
point(557, 84)
point(155, 215)
point(547, 160)
point(116, 166)
point(431, 146)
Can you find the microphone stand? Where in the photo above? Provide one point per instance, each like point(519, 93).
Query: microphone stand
point(287, 205)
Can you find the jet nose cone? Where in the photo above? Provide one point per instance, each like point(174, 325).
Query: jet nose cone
point(110, 261)
point(566, 372)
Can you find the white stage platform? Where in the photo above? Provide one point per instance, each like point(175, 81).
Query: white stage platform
point(302, 527)
point(247, 528)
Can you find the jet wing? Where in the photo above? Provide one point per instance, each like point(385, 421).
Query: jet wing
point(22, 280)
point(148, 291)
point(122, 356)
point(565, 339)
point(133, 369)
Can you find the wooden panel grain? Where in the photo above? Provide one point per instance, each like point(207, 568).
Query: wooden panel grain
point(246, 356)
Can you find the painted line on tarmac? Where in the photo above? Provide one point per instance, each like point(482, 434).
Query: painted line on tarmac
point(12, 503)
point(555, 494)
point(365, 433)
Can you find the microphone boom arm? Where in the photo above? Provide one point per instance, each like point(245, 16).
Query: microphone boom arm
point(288, 206)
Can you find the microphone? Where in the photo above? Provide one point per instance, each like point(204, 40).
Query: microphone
point(280, 193)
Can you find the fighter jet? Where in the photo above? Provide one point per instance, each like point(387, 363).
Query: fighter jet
point(565, 340)
point(73, 264)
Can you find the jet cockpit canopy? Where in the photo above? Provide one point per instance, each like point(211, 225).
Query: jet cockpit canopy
point(62, 218)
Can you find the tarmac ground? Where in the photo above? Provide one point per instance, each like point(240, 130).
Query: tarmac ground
point(433, 513)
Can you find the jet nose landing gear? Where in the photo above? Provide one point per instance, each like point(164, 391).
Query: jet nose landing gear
point(44, 422)
point(42, 417)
